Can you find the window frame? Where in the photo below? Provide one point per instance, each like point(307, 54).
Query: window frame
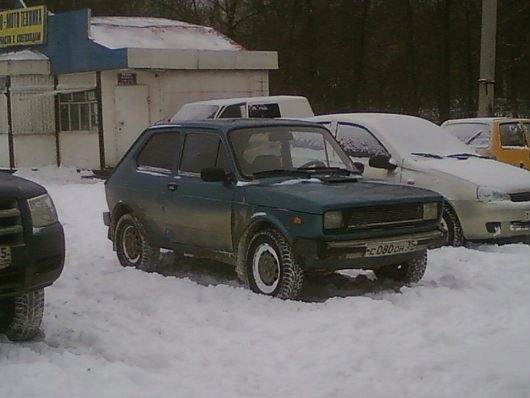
point(71, 103)
point(222, 146)
point(152, 169)
point(388, 153)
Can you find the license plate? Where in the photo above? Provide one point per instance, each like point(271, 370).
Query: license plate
point(526, 215)
point(390, 248)
point(5, 256)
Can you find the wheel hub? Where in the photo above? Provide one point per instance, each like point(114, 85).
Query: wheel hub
point(132, 243)
point(266, 268)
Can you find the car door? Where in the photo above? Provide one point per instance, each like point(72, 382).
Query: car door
point(199, 212)
point(510, 144)
point(361, 144)
point(154, 164)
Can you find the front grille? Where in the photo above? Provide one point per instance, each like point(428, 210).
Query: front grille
point(371, 216)
point(520, 197)
point(11, 230)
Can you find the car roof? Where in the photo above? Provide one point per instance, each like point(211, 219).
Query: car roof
point(484, 120)
point(261, 100)
point(374, 120)
point(225, 125)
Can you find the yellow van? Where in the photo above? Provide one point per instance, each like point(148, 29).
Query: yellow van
point(504, 139)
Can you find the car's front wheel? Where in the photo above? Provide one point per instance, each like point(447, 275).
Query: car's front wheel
point(452, 228)
point(132, 247)
point(21, 316)
point(271, 268)
point(408, 272)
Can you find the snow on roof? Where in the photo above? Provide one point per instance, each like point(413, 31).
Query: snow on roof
point(487, 120)
point(405, 133)
point(261, 99)
point(24, 55)
point(160, 33)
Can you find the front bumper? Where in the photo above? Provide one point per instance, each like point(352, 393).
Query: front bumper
point(352, 254)
point(494, 221)
point(35, 264)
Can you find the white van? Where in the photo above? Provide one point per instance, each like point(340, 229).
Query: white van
point(277, 106)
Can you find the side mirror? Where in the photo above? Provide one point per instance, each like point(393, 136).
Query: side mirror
point(381, 162)
point(359, 166)
point(213, 175)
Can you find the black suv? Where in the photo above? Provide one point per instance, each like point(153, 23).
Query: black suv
point(31, 254)
point(275, 198)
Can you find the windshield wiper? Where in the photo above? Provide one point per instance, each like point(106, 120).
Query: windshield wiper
point(427, 155)
point(337, 170)
point(282, 172)
point(466, 155)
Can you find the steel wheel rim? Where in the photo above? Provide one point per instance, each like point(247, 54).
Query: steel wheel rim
point(266, 268)
point(131, 244)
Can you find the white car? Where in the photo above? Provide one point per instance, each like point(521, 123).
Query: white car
point(485, 200)
point(274, 106)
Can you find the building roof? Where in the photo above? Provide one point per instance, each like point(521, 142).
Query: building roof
point(157, 33)
point(24, 55)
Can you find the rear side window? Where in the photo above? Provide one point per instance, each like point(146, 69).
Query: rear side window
point(358, 142)
point(512, 135)
point(202, 151)
point(476, 135)
point(264, 111)
point(160, 152)
point(232, 112)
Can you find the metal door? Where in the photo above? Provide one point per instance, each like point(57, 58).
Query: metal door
point(131, 117)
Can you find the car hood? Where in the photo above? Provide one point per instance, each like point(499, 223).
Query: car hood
point(316, 196)
point(479, 171)
point(18, 188)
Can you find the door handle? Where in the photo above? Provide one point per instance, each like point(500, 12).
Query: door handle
point(172, 186)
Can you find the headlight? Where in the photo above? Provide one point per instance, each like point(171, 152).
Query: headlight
point(430, 211)
point(333, 219)
point(489, 194)
point(42, 211)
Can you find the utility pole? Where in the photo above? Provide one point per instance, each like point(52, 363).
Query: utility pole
point(488, 41)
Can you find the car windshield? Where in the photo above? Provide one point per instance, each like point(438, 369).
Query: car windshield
point(195, 112)
point(288, 151)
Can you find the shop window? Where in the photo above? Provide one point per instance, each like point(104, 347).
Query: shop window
point(78, 111)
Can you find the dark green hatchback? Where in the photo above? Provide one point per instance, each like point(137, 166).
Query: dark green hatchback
point(275, 198)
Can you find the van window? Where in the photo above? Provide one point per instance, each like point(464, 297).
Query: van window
point(476, 135)
point(264, 110)
point(232, 112)
point(512, 135)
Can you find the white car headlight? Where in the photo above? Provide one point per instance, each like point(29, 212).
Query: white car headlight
point(489, 194)
point(430, 211)
point(42, 211)
point(333, 219)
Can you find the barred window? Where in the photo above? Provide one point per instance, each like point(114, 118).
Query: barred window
point(78, 111)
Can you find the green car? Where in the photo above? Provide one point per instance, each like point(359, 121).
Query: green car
point(31, 254)
point(275, 198)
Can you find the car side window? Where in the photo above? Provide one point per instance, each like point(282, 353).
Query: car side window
point(270, 111)
point(512, 135)
point(475, 135)
point(232, 112)
point(159, 152)
point(358, 142)
point(202, 151)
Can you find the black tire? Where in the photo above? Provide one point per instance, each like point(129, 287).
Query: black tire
point(409, 272)
point(271, 268)
point(132, 247)
point(452, 227)
point(22, 315)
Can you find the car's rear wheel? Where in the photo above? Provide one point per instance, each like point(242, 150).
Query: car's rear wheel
point(132, 247)
point(21, 316)
point(408, 272)
point(271, 268)
point(452, 227)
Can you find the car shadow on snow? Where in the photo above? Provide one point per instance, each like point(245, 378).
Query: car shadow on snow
point(317, 287)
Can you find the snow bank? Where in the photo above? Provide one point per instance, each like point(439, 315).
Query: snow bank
point(115, 332)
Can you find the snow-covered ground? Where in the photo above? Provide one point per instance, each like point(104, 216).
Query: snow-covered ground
point(464, 331)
